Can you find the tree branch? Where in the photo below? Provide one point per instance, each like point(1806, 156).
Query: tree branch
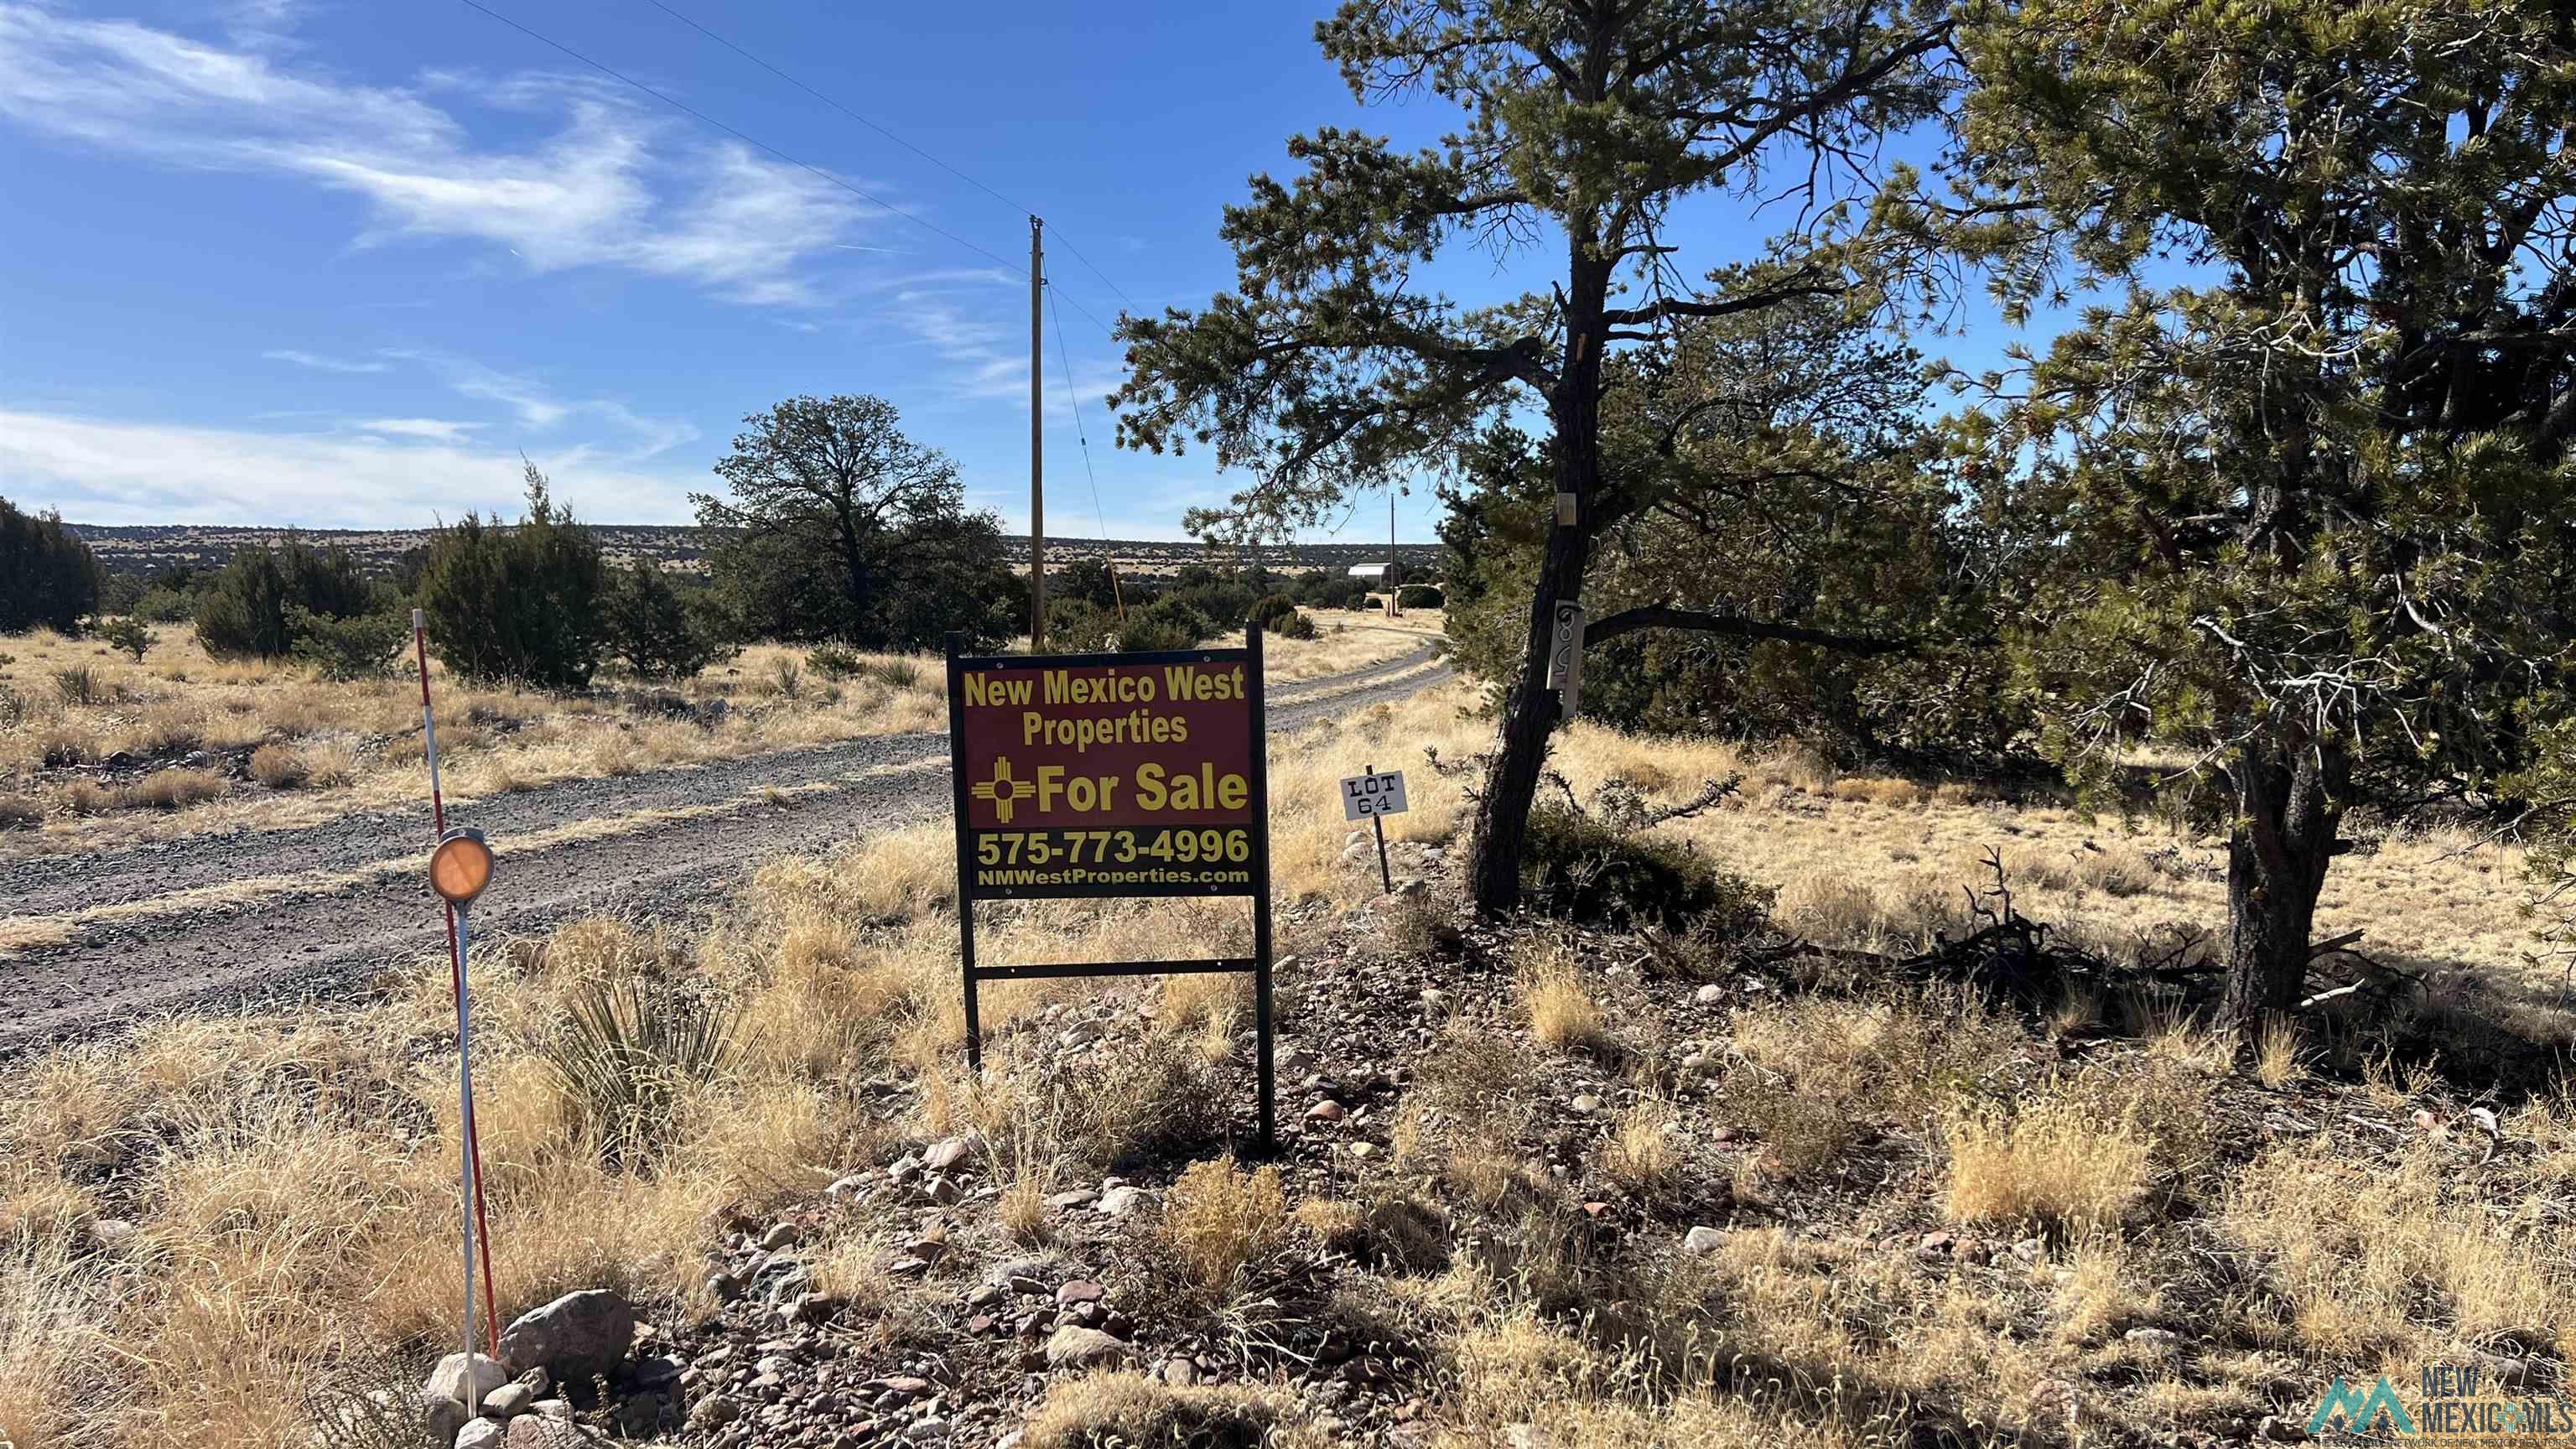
point(1664, 616)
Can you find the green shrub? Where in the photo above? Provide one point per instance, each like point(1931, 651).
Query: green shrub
point(1576, 867)
point(894, 673)
point(629, 1056)
point(360, 647)
point(1078, 626)
point(1292, 625)
point(166, 605)
point(129, 634)
point(81, 684)
point(1270, 608)
point(656, 631)
point(1163, 625)
point(1419, 596)
point(48, 576)
point(835, 661)
point(522, 602)
point(249, 608)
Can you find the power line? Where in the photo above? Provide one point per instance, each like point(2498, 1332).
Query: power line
point(1074, 400)
point(748, 139)
point(1066, 241)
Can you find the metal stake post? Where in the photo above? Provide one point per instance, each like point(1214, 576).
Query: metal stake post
point(1377, 822)
point(465, 1118)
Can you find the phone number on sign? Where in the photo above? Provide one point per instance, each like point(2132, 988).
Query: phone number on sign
point(1174, 846)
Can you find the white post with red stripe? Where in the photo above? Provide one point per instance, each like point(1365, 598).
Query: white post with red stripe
point(478, 1230)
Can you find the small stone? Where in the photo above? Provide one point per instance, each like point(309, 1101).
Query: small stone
point(112, 1235)
point(457, 1380)
point(1587, 1104)
point(1080, 1034)
point(815, 1308)
point(1709, 995)
point(652, 1373)
point(1074, 1346)
point(508, 1401)
point(1074, 1198)
point(543, 1431)
point(905, 1169)
point(1434, 999)
point(922, 1431)
point(943, 1190)
point(1026, 1286)
point(1118, 1202)
point(1326, 1110)
point(2153, 1337)
point(781, 1236)
point(551, 1409)
point(981, 1324)
point(1934, 1245)
point(481, 1434)
point(847, 1187)
point(2278, 1430)
point(2029, 1250)
point(1699, 1242)
point(945, 1154)
point(1080, 1290)
point(1696, 1061)
point(724, 1287)
point(1364, 1150)
point(907, 1266)
point(1180, 1373)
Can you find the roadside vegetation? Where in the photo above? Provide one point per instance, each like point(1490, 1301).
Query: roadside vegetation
point(1912, 1207)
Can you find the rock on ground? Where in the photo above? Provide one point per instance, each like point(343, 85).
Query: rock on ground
point(577, 1337)
point(456, 1380)
point(1074, 1346)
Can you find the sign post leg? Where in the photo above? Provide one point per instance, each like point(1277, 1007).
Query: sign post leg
point(965, 895)
point(1377, 822)
point(1263, 1058)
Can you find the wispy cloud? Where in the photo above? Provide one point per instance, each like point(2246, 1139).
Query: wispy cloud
point(318, 362)
point(99, 470)
point(538, 406)
point(613, 186)
point(439, 430)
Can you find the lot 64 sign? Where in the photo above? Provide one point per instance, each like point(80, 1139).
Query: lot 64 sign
point(1108, 775)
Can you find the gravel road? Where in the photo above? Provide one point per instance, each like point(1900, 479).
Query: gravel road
point(317, 939)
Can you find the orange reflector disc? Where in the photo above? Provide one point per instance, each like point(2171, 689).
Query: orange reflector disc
point(460, 868)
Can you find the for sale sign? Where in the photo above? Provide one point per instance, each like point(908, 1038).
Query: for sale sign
point(1082, 775)
point(1107, 774)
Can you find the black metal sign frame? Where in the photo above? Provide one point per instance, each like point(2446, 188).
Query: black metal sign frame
point(1258, 805)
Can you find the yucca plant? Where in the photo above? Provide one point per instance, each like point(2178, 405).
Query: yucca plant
point(631, 1052)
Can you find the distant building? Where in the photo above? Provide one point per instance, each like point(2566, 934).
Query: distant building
point(1368, 571)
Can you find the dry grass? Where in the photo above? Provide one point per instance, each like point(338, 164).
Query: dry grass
point(2054, 1164)
point(1557, 1001)
point(1219, 1219)
point(1131, 1411)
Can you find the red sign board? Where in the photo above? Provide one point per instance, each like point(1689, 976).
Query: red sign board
point(1128, 776)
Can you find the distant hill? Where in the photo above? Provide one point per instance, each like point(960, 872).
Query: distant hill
point(142, 548)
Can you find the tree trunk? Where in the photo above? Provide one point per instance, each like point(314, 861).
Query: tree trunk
point(1529, 710)
point(2276, 866)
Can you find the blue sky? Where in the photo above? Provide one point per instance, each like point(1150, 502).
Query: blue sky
point(336, 263)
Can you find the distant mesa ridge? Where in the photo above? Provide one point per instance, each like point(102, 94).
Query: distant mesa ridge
point(142, 548)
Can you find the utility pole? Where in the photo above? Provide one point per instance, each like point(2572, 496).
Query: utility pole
point(1037, 450)
point(1393, 589)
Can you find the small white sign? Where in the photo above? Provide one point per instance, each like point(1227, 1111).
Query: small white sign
point(1375, 794)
